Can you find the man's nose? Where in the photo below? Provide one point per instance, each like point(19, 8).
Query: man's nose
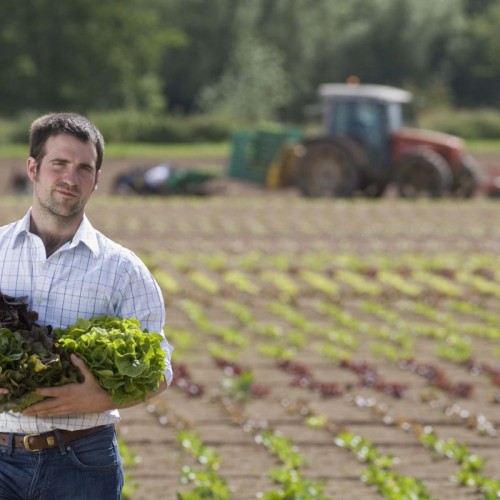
point(70, 176)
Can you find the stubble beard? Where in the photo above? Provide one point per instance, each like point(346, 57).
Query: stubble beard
point(63, 211)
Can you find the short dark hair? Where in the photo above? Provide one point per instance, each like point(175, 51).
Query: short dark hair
point(64, 123)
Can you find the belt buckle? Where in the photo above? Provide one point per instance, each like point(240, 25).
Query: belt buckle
point(26, 442)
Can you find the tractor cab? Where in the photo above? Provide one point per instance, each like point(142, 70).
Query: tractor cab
point(367, 114)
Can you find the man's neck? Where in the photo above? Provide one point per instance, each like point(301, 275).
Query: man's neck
point(53, 235)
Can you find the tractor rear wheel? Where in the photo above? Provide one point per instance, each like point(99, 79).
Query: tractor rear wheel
point(422, 173)
point(467, 178)
point(329, 168)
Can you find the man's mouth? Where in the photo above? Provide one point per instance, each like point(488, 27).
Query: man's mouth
point(67, 193)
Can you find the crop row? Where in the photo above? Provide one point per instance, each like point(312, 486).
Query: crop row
point(334, 276)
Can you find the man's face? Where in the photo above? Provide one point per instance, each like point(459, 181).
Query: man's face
point(66, 176)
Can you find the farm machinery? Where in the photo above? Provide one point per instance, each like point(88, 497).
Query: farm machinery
point(366, 145)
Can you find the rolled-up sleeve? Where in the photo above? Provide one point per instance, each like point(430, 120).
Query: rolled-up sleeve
point(141, 298)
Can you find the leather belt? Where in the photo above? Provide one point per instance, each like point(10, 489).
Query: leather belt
point(47, 440)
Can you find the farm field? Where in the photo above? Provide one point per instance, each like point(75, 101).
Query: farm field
point(326, 349)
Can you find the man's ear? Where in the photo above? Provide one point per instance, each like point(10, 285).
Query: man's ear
point(97, 175)
point(31, 168)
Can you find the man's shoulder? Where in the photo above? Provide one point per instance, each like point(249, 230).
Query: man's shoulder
point(8, 227)
point(8, 230)
point(114, 250)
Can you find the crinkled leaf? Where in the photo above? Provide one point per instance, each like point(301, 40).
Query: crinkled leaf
point(129, 365)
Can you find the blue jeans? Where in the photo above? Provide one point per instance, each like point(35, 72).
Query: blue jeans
point(88, 468)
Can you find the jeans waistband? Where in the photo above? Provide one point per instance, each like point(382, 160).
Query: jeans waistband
point(46, 440)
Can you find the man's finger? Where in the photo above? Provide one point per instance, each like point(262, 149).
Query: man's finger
point(80, 364)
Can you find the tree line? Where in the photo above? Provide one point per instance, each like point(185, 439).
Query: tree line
point(243, 59)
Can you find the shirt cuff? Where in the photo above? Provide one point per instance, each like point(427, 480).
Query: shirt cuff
point(168, 373)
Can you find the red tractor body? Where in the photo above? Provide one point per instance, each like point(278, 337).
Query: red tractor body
point(450, 147)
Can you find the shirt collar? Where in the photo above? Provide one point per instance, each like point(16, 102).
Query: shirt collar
point(85, 233)
point(21, 229)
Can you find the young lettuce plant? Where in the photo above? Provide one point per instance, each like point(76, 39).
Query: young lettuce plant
point(241, 282)
point(207, 482)
point(289, 476)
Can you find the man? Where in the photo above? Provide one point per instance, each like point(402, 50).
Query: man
point(64, 447)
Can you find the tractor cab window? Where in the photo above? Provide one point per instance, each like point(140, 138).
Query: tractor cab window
point(365, 122)
point(401, 115)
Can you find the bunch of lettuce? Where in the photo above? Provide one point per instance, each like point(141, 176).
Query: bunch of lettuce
point(126, 361)
point(29, 356)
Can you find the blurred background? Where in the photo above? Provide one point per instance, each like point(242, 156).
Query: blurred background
point(171, 71)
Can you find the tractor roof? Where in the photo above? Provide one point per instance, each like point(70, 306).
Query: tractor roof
point(378, 92)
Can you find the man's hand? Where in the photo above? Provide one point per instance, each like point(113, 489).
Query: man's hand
point(70, 399)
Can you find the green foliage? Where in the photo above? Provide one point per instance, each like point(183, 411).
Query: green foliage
point(282, 447)
point(239, 387)
point(389, 483)
point(205, 455)
point(29, 356)
point(126, 361)
point(29, 359)
point(395, 486)
point(110, 59)
point(468, 124)
point(209, 30)
point(128, 457)
point(254, 85)
point(471, 465)
point(476, 73)
point(137, 126)
point(7, 131)
point(293, 486)
point(17, 130)
point(133, 126)
point(251, 60)
point(207, 483)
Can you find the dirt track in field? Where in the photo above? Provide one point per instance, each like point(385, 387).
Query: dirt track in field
point(248, 219)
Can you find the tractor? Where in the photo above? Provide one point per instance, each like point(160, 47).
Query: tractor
point(366, 146)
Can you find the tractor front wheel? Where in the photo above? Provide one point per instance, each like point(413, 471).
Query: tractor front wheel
point(328, 169)
point(422, 174)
